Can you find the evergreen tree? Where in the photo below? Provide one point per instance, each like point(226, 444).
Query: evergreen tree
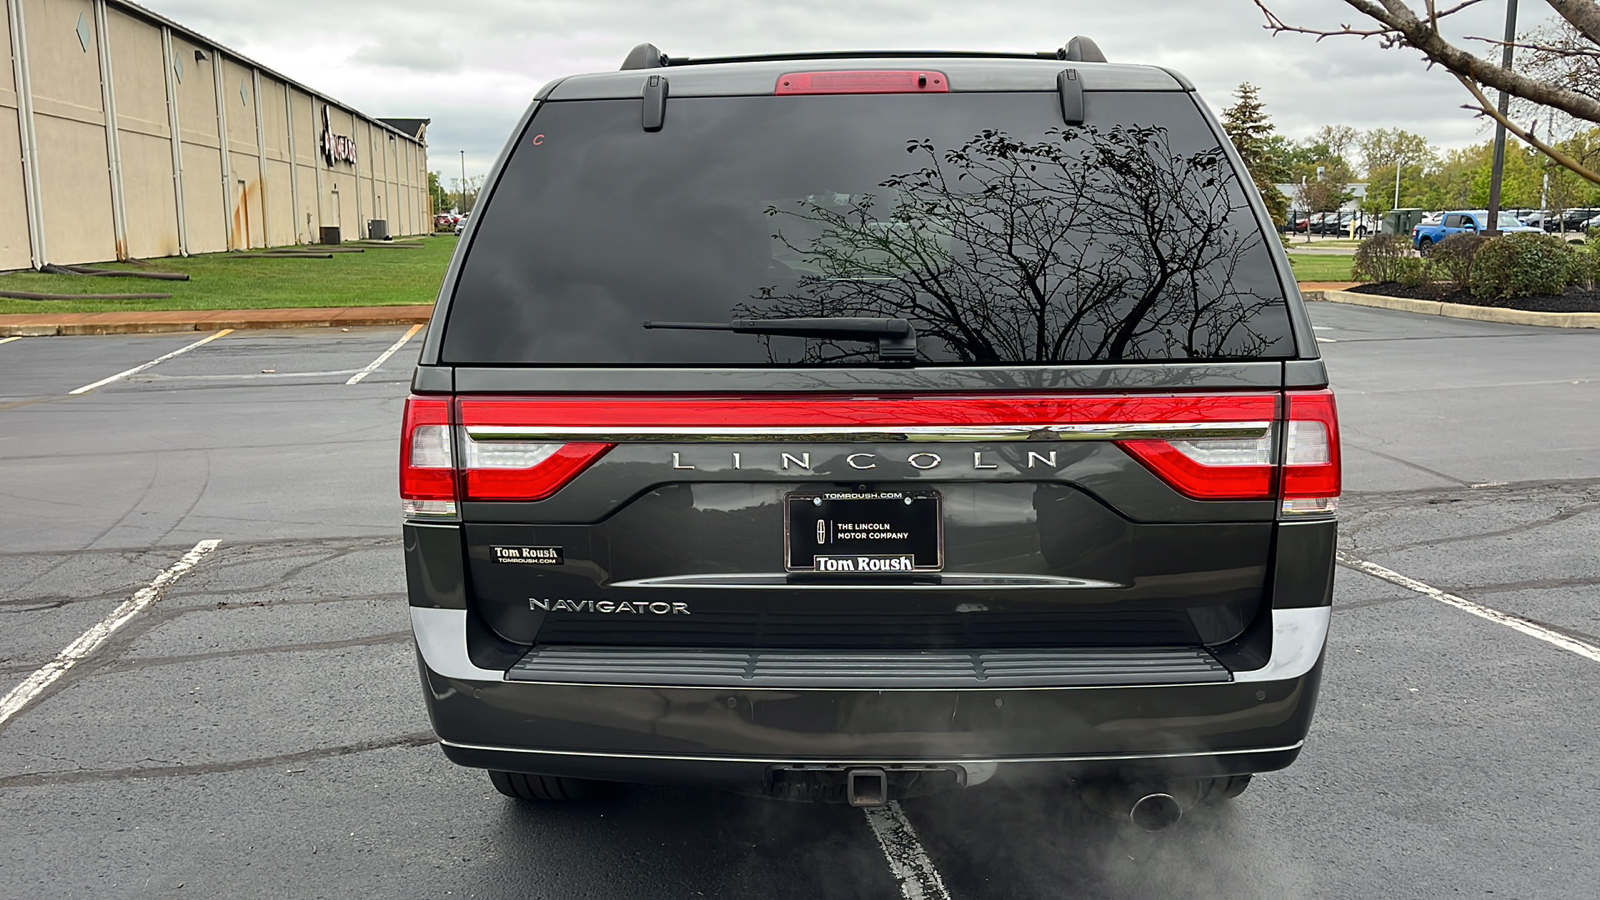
point(1257, 140)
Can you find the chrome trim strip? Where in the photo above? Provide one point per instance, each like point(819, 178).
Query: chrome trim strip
point(863, 434)
point(948, 581)
point(441, 636)
point(1298, 636)
point(774, 761)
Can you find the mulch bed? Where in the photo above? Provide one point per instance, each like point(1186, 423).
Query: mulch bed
point(1576, 299)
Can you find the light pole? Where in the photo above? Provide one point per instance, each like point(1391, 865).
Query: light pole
point(461, 205)
point(1498, 174)
point(1398, 162)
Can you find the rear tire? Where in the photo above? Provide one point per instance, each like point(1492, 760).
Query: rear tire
point(1425, 246)
point(522, 786)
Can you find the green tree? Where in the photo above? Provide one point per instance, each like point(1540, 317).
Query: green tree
point(1338, 139)
point(1254, 136)
point(441, 200)
point(1381, 147)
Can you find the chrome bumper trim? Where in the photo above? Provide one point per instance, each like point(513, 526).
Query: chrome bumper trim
point(1298, 636)
point(775, 761)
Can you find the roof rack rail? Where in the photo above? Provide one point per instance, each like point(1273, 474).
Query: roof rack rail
point(649, 56)
point(644, 56)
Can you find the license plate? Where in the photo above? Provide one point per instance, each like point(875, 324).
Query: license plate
point(864, 532)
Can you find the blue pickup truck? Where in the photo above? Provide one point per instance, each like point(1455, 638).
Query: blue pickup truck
point(1470, 221)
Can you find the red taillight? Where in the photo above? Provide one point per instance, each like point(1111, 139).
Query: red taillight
point(1209, 447)
point(427, 458)
point(1311, 479)
point(721, 413)
point(523, 470)
point(1244, 469)
point(433, 479)
point(1247, 475)
point(1224, 467)
point(864, 82)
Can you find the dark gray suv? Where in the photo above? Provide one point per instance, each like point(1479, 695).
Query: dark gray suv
point(851, 426)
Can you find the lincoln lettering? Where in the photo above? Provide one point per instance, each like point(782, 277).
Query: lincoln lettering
point(806, 463)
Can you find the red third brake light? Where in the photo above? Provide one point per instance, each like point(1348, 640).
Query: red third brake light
point(865, 82)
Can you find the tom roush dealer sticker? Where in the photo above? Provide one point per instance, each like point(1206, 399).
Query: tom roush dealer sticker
point(535, 556)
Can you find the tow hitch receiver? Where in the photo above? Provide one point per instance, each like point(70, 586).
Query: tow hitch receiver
point(859, 785)
point(866, 787)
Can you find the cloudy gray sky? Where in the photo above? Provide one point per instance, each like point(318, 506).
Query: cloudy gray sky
point(472, 65)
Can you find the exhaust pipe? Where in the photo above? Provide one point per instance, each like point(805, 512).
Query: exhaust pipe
point(1155, 812)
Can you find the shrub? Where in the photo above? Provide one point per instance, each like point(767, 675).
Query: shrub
point(1378, 257)
point(1523, 265)
point(1455, 256)
point(1586, 266)
point(1413, 272)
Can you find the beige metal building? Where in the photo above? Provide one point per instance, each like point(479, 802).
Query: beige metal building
point(125, 135)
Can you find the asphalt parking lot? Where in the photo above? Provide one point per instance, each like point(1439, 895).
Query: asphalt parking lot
point(256, 730)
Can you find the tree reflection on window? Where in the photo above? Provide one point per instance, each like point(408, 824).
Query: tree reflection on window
point(1088, 245)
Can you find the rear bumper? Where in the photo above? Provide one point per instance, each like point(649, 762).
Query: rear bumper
point(735, 734)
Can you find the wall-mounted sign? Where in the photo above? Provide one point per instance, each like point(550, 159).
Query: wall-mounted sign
point(336, 147)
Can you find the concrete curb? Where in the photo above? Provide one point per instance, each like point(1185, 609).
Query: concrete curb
point(1461, 310)
point(45, 325)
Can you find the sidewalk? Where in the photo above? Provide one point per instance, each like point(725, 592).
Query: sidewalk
point(44, 324)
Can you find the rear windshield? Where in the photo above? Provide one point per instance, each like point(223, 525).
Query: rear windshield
point(1004, 237)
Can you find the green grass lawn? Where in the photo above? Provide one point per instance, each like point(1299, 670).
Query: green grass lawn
point(377, 277)
point(1311, 267)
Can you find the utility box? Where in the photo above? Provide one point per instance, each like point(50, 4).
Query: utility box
point(1401, 221)
point(329, 235)
point(377, 229)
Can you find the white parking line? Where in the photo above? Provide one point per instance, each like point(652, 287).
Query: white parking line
point(1517, 623)
point(373, 366)
point(1323, 340)
point(160, 359)
point(919, 880)
point(10, 339)
point(91, 640)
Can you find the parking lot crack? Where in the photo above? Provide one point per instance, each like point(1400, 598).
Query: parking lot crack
point(132, 773)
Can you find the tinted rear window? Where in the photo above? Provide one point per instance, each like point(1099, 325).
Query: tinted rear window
point(1004, 237)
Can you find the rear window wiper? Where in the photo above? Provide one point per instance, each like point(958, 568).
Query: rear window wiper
point(897, 340)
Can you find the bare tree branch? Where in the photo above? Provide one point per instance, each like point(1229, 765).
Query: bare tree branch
point(1401, 25)
point(1583, 14)
point(1536, 47)
point(1486, 108)
point(1405, 28)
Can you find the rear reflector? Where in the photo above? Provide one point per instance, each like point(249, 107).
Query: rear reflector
point(864, 82)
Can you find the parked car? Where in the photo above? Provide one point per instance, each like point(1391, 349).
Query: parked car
point(746, 463)
point(444, 221)
point(1576, 219)
point(461, 221)
point(1474, 221)
point(1340, 225)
